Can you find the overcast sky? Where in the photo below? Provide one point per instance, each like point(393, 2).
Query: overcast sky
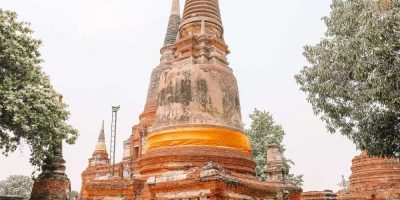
point(100, 53)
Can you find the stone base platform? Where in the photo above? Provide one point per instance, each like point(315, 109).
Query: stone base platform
point(207, 182)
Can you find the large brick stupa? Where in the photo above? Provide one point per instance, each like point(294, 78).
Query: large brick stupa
point(189, 143)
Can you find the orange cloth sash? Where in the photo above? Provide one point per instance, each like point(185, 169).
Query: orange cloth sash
point(199, 136)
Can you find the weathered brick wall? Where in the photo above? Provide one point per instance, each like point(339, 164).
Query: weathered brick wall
point(372, 176)
point(116, 187)
point(319, 195)
point(51, 188)
point(175, 158)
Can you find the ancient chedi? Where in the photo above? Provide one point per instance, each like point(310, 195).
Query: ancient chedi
point(373, 178)
point(52, 183)
point(189, 143)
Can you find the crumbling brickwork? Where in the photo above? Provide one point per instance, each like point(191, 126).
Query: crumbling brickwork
point(374, 178)
point(52, 183)
point(189, 143)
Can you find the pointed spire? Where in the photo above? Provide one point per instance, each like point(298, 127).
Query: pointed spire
point(176, 9)
point(102, 137)
point(101, 145)
point(197, 10)
point(201, 18)
point(100, 155)
point(173, 24)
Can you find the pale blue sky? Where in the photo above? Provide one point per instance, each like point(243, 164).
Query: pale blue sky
point(100, 53)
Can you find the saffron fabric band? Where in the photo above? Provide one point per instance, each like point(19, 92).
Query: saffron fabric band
point(199, 136)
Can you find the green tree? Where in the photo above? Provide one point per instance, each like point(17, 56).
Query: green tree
point(16, 186)
point(353, 76)
point(29, 107)
point(264, 131)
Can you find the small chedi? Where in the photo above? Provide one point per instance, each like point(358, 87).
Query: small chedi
point(373, 178)
point(52, 183)
point(189, 143)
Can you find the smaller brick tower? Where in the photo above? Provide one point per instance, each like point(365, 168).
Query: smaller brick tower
point(52, 183)
point(374, 178)
point(99, 167)
point(275, 170)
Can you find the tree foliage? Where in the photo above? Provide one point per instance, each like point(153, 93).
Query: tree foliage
point(29, 107)
point(264, 131)
point(353, 76)
point(16, 186)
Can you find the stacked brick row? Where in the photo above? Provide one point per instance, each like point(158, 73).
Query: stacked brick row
point(374, 177)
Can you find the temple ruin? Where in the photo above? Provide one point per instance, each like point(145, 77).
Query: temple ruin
point(373, 178)
point(189, 143)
